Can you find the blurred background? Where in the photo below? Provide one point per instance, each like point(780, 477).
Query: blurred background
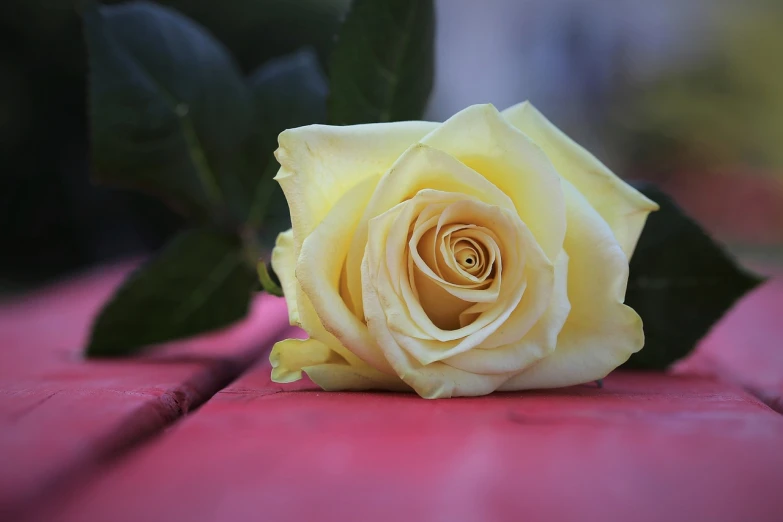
point(685, 93)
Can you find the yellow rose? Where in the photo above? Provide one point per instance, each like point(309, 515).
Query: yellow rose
point(489, 252)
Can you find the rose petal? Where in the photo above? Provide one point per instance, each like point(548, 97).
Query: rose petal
point(624, 208)
point(463, 242)
point(481, 139)
point(420, 167)
point(467, 247)
point(341, 377)
point(601, 332)
point(300, 310)
point(318, 271)
point(436, 380)
point(284, 265)
point(320, 163)
point(412, 326)
point(289, 356)
point(386, 242)
point(440, 307)
point(471, 291)
point(404, 308)
point(311, 323)
point(534, 344)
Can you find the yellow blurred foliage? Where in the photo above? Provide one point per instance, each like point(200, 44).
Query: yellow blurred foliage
point(729, 109)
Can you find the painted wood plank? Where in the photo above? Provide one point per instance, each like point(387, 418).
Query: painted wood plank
point(62, 416)
point(746, 346)
point(646, 447)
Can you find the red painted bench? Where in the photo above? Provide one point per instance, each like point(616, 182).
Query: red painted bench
point(646, 447)
point(94, 441)
point(62, 416)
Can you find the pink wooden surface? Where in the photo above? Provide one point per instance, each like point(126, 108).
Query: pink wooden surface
point(60, 415)
point(746, 346)
point(646, 447)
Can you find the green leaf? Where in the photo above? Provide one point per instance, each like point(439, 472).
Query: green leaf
point(381, 68)
point(170, 112)
point(201, 281)
point(289, 92)
point(681, 282)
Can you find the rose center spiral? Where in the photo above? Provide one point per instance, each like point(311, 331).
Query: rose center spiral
point(456, 263)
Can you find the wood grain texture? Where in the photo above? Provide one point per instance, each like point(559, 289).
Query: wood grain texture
point(62, 416)
point(645, 447)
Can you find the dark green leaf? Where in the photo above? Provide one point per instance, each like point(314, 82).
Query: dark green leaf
point(201, 281)
point(681, 282)
point(289, 92)
point(170, 111)
point(382, 66)
point(281, 26)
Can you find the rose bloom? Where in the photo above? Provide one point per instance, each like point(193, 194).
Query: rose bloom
point(489, 252)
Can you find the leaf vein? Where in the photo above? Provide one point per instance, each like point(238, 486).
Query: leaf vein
point(196, 154)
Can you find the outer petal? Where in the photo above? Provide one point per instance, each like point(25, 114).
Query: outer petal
point(319, 268)
point(288, 357)
point(480, 138)
point(624, 208)
point(328, 370)
point(601, 332)
point(341, 377)
point(284, 265)
point(320, 163)
point(300, 309)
